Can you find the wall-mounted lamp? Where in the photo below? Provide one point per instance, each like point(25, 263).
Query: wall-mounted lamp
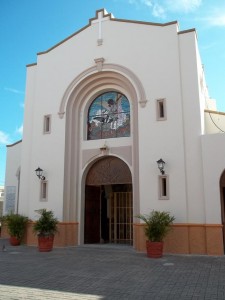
point(39, 173)
point(161, 164)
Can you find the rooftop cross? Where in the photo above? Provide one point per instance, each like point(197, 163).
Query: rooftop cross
point(101, 16)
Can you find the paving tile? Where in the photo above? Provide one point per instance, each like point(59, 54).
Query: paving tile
point(96, 272)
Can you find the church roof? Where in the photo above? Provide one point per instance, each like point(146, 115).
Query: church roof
point(112, 18)
point(102, 13)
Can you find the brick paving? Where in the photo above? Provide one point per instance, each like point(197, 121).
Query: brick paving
point(98, 272)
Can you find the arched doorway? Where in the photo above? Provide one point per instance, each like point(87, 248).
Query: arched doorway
point(87, 85)
point(222, 197)
point(108, 203)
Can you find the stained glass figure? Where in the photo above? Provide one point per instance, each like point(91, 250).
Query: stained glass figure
point(109, 117)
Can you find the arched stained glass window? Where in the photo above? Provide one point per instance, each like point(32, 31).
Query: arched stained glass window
point(109, 117)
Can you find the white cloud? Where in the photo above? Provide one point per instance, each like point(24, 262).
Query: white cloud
point(12, 90)
point(213, 17)
point(4, 138)
point(19, 130)
point(216, 19)
point(182, 5)
point(22, 104)
point(159, 8)
point(158, 11)
point(147, 2)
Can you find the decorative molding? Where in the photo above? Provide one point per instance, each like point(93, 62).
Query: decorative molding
point(31, 65)
point(61, 114)
point(11, 145)
point(85, 79)
point(214, 112)
point(88, 83)
point(143, 102)
point(99, 62)
point(104, 149)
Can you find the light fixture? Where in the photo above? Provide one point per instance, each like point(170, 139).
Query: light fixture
point(161, 164)
point(39, 173)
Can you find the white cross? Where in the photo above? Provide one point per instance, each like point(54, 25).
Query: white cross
point(99, 21)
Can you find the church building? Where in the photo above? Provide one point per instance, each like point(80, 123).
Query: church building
point(103, 109)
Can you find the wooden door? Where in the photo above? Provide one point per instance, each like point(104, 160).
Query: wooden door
point(223, 213)
point(92, 215)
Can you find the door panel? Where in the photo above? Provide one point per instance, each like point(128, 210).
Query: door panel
point(121, 218)
point(92, 215)
point(223, 213)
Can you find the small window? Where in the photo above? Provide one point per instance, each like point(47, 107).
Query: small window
point(44, 190)
point(163, 187)
point(161, 109)
point(47, 124)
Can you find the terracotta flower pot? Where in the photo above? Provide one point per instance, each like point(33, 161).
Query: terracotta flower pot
point(154, 249)
point(14, 241)
point(45, 243)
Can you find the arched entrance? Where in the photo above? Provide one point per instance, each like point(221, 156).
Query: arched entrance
point(84, 88)
point(108, 216)
point(222, 197)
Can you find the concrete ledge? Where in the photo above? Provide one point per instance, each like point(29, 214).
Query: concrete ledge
point(67, 234)
point(187, 239)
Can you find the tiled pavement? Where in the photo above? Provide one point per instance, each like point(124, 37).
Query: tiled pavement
point(107, 272)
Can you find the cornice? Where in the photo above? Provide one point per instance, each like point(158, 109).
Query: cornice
point(11, 145)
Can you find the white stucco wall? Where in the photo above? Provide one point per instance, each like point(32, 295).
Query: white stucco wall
point(213, 159)
point(167, 64)
point(12, 177)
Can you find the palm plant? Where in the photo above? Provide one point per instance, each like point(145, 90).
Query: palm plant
point(16, 225)
point(47, 224)
point(158, 224)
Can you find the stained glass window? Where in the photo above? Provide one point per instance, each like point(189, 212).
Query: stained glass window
point(109, 117)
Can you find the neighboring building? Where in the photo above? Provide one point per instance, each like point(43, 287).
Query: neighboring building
point(1, 199)
point(101, 108)
point(12, 178)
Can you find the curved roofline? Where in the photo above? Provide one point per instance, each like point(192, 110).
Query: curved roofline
point(187, 31)
point(105, 14)
point(31, 65)
point(11, 145)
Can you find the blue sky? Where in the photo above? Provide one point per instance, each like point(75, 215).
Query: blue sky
point(31, 26)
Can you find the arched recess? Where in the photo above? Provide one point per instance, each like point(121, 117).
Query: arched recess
point(118, 69)
point(222, 197)
point(85, 86)
point(109, 170)
point(108, 209)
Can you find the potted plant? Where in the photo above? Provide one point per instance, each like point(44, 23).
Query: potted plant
point(158, 224)
point(16, 226)
point(45, 228)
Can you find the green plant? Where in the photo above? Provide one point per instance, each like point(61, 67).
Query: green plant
point(16, 225)
point(46, 224)
point(158, 224)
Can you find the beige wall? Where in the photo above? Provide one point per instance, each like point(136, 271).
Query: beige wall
point(214, 122)
point(186, 239)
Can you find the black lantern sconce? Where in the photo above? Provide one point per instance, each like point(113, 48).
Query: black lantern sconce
point(161, 164)
point(39, 173)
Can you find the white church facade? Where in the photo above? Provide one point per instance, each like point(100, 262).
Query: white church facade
point(101, 108)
